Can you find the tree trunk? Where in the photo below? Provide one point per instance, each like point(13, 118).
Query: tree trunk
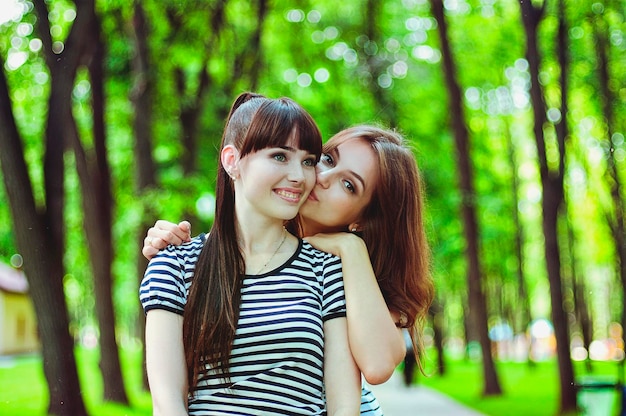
point(43, 266)
point(580, 303)
point(97, 201)
point(552, 185)
point(46, 274)
point(247, 62)
point(524, 318)
point(141, 97)
point(256, 47)
point(436, 314)
point(477, 301)
point(376, 67)
point(617, 223)
point(191, 106)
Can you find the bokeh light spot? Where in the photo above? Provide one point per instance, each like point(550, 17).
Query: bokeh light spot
point(321, 75)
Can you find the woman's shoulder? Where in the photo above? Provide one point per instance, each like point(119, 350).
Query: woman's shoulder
point(168, 276)
point(182, 257)
point(307, 249)
point(320, 260)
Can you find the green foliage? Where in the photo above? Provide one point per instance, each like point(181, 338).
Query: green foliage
point(345, 67)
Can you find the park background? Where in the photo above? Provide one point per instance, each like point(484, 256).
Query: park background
point(111, 113)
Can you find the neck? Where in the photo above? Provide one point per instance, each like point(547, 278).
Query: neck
point(262, 257)
point(259, 239)
point(262, 238)
point(256, 232)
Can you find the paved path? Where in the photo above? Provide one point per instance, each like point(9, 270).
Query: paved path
point(398, 400)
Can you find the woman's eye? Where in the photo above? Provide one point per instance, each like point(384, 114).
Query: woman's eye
point(349, 186)
point(280, 157)
point(327, 159)
point(310, 162)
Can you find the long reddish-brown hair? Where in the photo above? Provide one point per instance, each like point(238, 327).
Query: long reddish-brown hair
point(392, 226)
point(212, 310)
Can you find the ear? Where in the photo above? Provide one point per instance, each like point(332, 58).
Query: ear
point(229, 156)
point(354, 227)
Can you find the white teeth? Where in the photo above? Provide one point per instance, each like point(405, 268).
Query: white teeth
point(288, 194)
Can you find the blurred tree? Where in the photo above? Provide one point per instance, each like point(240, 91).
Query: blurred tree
point(97, 201)
point(436, 316)
point(375, 64)
point(614, 141)
point(579, 291)
point(168, 81)
point(522, 301)
point(141, 97)
point(39, 231)
point(477, 300)
point(192, 85)
point(552, 185)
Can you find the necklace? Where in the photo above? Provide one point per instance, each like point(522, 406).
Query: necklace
point(275, 252)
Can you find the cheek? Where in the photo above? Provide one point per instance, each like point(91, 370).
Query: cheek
point(310, 178)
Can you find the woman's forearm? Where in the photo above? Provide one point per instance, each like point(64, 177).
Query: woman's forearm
point(342, 380)
point(376, 343)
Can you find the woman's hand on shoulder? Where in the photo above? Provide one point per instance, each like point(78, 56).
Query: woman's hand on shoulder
point(340, 244)
point(164, 233)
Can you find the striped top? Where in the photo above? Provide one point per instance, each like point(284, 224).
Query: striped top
point(277, 357)
point(369, 403)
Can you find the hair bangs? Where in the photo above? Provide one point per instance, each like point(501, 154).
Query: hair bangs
point(279, 123)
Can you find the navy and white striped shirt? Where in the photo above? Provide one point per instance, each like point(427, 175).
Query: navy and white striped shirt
point(277, 357)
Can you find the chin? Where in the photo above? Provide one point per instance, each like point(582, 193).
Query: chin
point(287, 215)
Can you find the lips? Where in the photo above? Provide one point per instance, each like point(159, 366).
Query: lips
point(312, 196)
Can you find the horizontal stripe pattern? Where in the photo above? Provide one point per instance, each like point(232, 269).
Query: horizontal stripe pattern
point(369, 403)
point(277, 356)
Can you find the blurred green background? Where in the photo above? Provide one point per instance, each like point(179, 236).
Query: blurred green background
point(118, 109)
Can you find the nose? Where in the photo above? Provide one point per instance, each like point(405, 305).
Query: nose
point(323, 178)
point(296, 173)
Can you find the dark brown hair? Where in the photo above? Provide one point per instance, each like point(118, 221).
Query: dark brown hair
point(212, 311)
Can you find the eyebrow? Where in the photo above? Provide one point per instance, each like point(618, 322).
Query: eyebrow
point(291, 149)
point(356, 175)
point(288, 148)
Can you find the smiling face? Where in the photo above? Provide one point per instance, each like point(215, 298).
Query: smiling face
point(274, 181)
point(269, 150)
point(347, 176)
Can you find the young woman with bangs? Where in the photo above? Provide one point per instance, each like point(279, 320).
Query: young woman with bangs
point(243, 320)
point(366, 208)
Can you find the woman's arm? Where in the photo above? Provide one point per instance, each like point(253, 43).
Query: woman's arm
point(165, 363)
point(164, 233)
point(376, 343)
point(342, 379)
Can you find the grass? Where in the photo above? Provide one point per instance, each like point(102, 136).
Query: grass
point(526, 390)
point(23, 387)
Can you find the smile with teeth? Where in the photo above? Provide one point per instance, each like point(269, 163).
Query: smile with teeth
point(294, 196)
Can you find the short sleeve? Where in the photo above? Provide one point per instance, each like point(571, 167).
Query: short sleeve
point(333, 296)
point(166, 282)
